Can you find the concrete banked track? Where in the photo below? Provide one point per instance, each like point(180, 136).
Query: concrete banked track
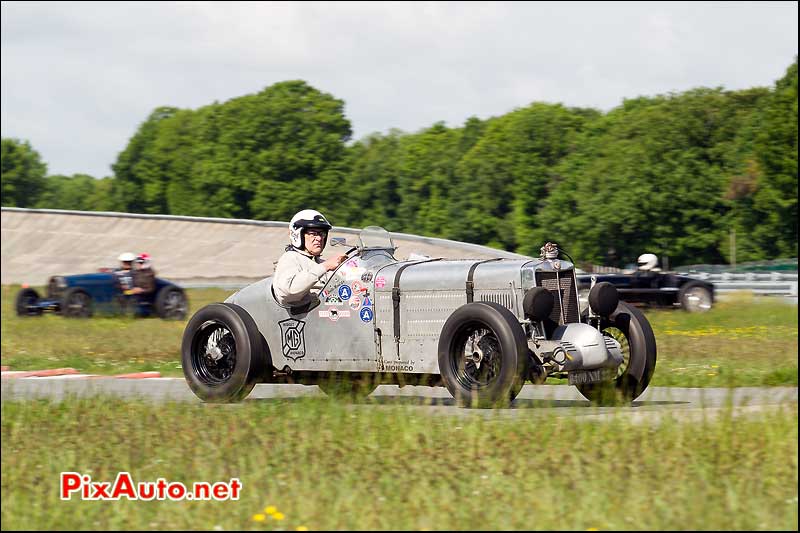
point(39, 243)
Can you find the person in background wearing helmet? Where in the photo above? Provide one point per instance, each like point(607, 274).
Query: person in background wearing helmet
point(144, 277)
point(648, 263)
point(647, 273)
point(300, 271)
point(123, 277)
point(124, 274)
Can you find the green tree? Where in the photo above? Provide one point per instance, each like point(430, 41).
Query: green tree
point(102, 198)
point(258, 156)
point(670, 174)
point(649, 176)
point(407, 182)
point(139, 176)
point(764, 190)
point(23, 174)
point(289, 144)
point(63, 192)
point(503, 179)
point(369, 192)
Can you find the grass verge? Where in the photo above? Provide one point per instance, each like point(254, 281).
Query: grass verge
point(312, 463)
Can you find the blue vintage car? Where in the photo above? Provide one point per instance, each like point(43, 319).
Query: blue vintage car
point(81, 295)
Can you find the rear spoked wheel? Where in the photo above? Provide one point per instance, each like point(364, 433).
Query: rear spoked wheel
point(76, 303)
point(26, 303)
point(223, 353)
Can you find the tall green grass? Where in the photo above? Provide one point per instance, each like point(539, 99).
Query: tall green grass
point(326, 465)
point(744, 341)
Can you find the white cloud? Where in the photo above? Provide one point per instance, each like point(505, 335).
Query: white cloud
point(78, 78)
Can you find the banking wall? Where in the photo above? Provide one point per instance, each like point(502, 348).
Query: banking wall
point(38, 243)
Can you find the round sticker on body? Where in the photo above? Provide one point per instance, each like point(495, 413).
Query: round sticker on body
point(365, 314)
point(345, 292)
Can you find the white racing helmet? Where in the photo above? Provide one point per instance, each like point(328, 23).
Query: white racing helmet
point(305, 219)
point(647, 261)
point(126, 257)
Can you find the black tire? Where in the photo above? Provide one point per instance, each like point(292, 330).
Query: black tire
point(171, 303)
point(695, 298)
point(347, 385)
point(76, 303)
point(630, 327)
point(479, 382)
point(26, 300)
point(242, 355)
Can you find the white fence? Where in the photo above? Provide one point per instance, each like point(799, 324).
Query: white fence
point(768, 283)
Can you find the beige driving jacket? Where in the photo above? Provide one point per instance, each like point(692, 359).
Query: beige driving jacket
point(298, 277)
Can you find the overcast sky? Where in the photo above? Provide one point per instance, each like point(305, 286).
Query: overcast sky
point(79, 78)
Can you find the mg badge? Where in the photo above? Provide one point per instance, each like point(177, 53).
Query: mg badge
point(293, 341)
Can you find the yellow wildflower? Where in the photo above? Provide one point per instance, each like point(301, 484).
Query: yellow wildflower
point(270, 510)
point(278, 516)
point(259, 517)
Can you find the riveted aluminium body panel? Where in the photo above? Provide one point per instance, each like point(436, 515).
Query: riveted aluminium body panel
point(339, 334)
point(336, 334)
point(429, 293)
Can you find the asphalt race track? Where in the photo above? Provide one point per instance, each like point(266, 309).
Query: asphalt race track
point(653, 405)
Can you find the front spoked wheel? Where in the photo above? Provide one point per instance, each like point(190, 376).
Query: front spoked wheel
point(625, 347)
point(628, 326)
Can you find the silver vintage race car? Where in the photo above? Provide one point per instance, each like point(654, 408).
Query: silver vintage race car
point(481, 328)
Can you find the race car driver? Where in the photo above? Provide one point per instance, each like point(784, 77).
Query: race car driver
point(301, 272)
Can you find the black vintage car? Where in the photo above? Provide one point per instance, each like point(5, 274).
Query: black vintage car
point(655, 288)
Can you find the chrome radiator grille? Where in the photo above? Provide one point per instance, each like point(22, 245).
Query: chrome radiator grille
point(563, 283)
